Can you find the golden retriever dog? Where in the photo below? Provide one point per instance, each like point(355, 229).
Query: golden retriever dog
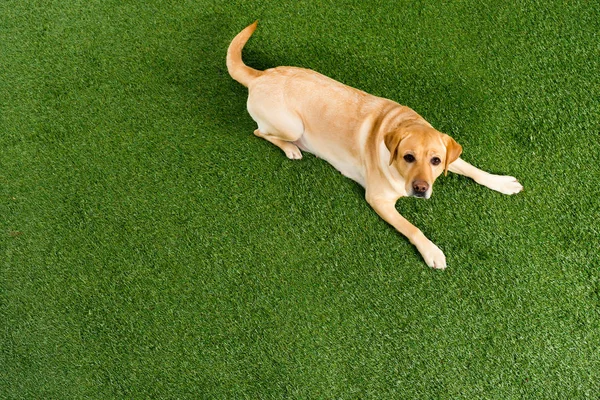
point(386, 147)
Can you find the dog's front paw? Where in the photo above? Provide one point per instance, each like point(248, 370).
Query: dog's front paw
point(503, 184)
point(432, 255)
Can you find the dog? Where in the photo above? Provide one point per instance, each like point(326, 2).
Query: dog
point(386, 147)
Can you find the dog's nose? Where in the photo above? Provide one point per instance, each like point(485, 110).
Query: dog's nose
point(420, 187)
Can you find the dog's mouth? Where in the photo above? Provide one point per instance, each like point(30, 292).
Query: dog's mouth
point(425, 195)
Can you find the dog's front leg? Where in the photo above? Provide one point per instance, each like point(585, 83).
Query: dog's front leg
point(500, 183)
point(386, 209)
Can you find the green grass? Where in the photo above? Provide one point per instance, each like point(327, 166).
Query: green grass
point(152, 247)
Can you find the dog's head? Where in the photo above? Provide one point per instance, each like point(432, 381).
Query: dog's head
point(420, 154)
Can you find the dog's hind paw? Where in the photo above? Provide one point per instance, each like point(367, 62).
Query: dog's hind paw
point(292, 152)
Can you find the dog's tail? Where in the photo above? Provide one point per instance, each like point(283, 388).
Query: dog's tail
point(236, 67)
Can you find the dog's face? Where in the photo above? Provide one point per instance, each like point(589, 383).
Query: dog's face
point(420, 154)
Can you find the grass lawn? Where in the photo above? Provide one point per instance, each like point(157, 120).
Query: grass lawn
point(152, 247)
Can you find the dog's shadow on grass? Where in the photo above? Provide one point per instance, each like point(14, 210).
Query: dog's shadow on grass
point(223, 100)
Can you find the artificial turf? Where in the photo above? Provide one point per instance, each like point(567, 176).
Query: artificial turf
point(152, 247)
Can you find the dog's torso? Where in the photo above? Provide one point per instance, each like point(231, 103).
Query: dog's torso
point(333, 121)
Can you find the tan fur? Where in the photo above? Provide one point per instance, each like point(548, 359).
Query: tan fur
point(237, 69)
point(365, 137)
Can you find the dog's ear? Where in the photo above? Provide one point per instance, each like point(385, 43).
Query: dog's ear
point(453, 151)
point(392, 139)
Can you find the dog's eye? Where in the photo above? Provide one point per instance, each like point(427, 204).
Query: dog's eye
point(436, 161)
point(409, 158)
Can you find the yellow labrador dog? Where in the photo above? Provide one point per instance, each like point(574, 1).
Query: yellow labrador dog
point(386, 147)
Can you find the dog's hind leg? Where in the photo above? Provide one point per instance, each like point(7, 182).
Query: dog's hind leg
point(276, 124)
point(291, 150)
point(500, 183)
